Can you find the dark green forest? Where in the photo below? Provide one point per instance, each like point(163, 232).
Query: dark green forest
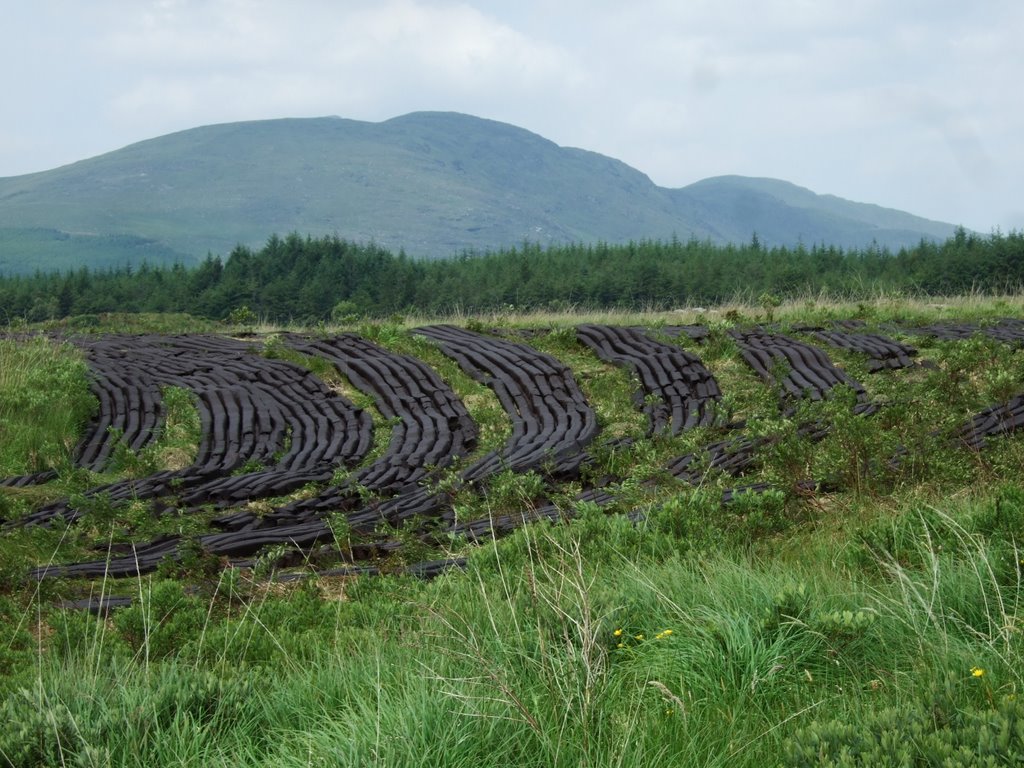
point(318, 279)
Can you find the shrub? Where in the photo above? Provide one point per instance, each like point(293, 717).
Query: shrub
point(163, 619)
point(928, 734)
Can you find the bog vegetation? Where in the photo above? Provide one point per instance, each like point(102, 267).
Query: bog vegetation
point(861, 605)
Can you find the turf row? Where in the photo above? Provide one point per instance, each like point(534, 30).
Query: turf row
point(255, 409)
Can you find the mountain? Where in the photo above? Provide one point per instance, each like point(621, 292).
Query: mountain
point(434, 184)
point(782, 213)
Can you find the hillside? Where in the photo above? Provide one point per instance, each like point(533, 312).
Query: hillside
point(433, 184)
point(783, 213)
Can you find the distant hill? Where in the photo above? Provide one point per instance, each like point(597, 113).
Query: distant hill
point(733, 207)
point(434, 184)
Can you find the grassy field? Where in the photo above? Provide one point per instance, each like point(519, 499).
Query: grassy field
point(879, 624)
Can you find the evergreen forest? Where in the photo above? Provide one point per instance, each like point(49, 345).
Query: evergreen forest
point(312, 280)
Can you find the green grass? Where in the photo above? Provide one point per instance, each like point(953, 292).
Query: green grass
point(517, 660)
point(44, 403)
point(884, 619)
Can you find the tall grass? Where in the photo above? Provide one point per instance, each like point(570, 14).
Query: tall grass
point(881, 306)
point(560, 646)
point(44, 402)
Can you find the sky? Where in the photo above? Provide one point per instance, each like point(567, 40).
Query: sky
point(908, 104)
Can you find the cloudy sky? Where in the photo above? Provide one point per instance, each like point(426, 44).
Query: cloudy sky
point(911, 104)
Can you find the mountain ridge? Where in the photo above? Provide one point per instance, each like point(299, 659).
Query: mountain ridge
point(433, 184)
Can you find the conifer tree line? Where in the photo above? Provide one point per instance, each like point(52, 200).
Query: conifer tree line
point(319, 279)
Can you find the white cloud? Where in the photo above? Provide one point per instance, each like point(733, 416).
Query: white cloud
point(369, 60)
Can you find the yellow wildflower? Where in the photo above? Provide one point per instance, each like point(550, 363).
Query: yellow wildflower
point(640, 636)
point(621, 645)
point(617, 632)
point(977, 672)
